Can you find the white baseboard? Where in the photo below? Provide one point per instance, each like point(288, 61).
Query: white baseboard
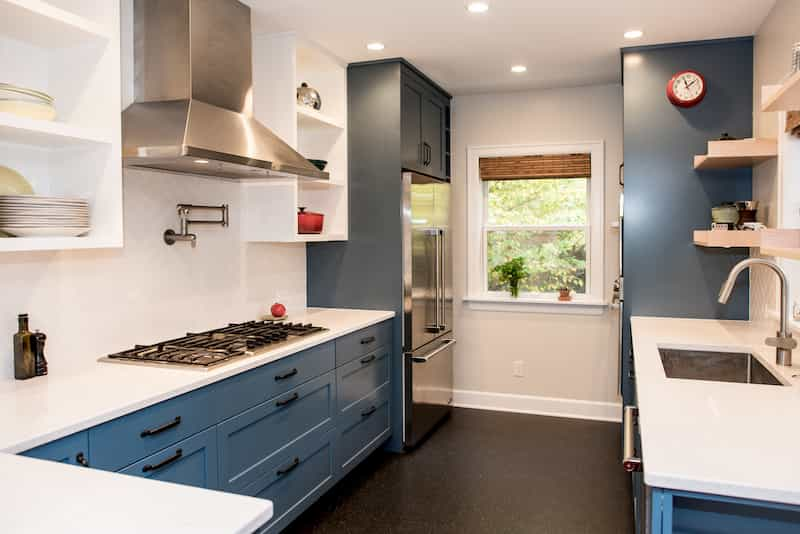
point(552, 406)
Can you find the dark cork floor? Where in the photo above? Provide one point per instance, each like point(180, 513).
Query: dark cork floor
point(486, 472)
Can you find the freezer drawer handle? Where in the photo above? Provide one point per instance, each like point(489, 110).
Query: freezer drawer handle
point(286, 375)
point(630, 462)
point(154, 431)
point(289, 468)
point(291, 399)
point(368, 359)
point(368, 340)
point(424, 359)
point(369, 411)
point(177, 456)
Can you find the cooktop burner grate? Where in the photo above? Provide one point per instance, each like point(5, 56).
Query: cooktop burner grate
point(206, 349)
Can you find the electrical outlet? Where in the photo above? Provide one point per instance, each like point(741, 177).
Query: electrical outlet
point(519, 368)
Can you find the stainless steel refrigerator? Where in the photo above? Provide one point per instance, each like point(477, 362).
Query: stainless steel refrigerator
point(427, 306)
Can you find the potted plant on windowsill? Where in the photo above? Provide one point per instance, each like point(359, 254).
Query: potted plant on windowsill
point(512, 273)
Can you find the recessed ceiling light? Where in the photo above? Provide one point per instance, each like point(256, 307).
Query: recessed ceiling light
point(519, 68)
point(633, 34)
point(375, 46)
point(478, 7)
point(201, 161)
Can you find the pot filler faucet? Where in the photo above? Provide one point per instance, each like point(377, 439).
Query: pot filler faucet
point(783, 343)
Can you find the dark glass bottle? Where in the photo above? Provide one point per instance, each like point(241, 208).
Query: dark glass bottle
point(24, 356)
point(39, 339)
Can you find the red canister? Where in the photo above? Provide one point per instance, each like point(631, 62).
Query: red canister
point(309, 222)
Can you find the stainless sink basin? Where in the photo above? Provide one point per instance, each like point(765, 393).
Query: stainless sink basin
point(739, 367)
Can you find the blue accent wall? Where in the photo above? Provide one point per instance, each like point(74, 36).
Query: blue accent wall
point(665, 198)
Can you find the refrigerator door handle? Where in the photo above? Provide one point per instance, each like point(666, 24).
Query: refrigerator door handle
point(438, 277)
point(444, 346)
point(441, 282)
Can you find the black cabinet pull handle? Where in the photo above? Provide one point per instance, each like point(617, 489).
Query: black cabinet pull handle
point(286, 375)
point(291, 399)
point(162, 428)
point(368, 359)
point(177, 456)
point(369, 411)
point(368, 340)
point(289, 468)
point(81, 460)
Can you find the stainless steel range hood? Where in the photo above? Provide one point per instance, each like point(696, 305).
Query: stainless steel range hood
point(193, 95)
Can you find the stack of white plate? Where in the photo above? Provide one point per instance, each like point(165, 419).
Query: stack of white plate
point(38, 216)
point(26, 102)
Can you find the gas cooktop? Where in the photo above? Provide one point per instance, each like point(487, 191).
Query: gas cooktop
point(207, 349)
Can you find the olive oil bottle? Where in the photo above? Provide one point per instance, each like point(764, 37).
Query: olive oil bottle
point(24, 354)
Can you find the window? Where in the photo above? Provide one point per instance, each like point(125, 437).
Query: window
point(545, 205)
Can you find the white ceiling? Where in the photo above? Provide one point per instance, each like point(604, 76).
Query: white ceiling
point(562, 42)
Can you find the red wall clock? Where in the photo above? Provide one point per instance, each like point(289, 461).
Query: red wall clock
point(686, 89)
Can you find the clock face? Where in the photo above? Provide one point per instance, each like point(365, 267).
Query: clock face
point(686, 88)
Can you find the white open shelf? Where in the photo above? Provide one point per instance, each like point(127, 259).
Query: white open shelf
point(784, 97)
point(310, 118)
point(45, 25)
point(70, 50)
point(281, 63)
point(48, 134)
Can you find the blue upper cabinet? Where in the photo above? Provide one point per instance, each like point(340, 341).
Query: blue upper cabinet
point(191, 462)
point(72, 449)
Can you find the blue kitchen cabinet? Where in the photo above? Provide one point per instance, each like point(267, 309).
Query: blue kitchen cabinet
point(249, 442)
point(675, 512)
point(363, 427)
point(191, 462)
point(296, 476)
point(72, 449)
point(362, 376)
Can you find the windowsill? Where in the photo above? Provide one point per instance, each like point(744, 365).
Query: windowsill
point(577, 306)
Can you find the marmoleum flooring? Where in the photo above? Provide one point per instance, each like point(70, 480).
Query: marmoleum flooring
point(487, 472)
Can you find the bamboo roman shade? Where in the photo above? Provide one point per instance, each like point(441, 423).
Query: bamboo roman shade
point(539, 167)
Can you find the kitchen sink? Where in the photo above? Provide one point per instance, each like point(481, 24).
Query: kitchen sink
point(739, 367)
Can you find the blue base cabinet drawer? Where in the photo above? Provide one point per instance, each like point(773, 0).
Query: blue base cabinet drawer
point(191, 462)
point(248, 442)
point(363, 428)
point(296, 477)
point(244, 391)
point(72, 449)
point(363, 342)
point(123, 441)
point(360, 377)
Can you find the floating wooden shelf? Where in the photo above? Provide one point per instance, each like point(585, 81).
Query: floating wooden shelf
point(47, 134)
point(786, 97)
point(782, 252)
point(739, 153)
point(309, 117)
point(45, 25)
point(770, 239)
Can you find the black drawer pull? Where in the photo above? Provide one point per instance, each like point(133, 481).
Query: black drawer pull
point(286, 375)
point(291, 399)
point(368, 359)
point(177, 456)
point(289, 468)
point(80, 459)
point(368, 340)
point(369, 411)
point(162, 428)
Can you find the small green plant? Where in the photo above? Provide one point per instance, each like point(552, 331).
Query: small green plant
point(512, 273)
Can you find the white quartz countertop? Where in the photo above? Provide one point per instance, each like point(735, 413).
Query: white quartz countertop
point(730, 439)
point(39, 496)
point(43, 409)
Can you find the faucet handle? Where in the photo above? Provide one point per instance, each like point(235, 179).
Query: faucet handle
point(785, 342)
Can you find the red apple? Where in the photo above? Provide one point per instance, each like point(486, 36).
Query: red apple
point(278, 310)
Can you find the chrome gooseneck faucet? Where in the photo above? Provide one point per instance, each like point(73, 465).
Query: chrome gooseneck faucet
point(783, 343)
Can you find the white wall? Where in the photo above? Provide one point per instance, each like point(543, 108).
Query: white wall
point(91, 303)
point(566, 356)
point(772, 61)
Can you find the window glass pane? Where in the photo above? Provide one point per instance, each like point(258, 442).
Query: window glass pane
point(538, 202)
point(554, 259)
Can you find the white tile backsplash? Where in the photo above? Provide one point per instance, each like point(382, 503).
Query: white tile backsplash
point(90, 303)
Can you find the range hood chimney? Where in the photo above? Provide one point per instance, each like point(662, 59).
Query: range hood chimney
point(192, 111)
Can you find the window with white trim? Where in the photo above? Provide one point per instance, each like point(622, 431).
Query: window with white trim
point(542, 203)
